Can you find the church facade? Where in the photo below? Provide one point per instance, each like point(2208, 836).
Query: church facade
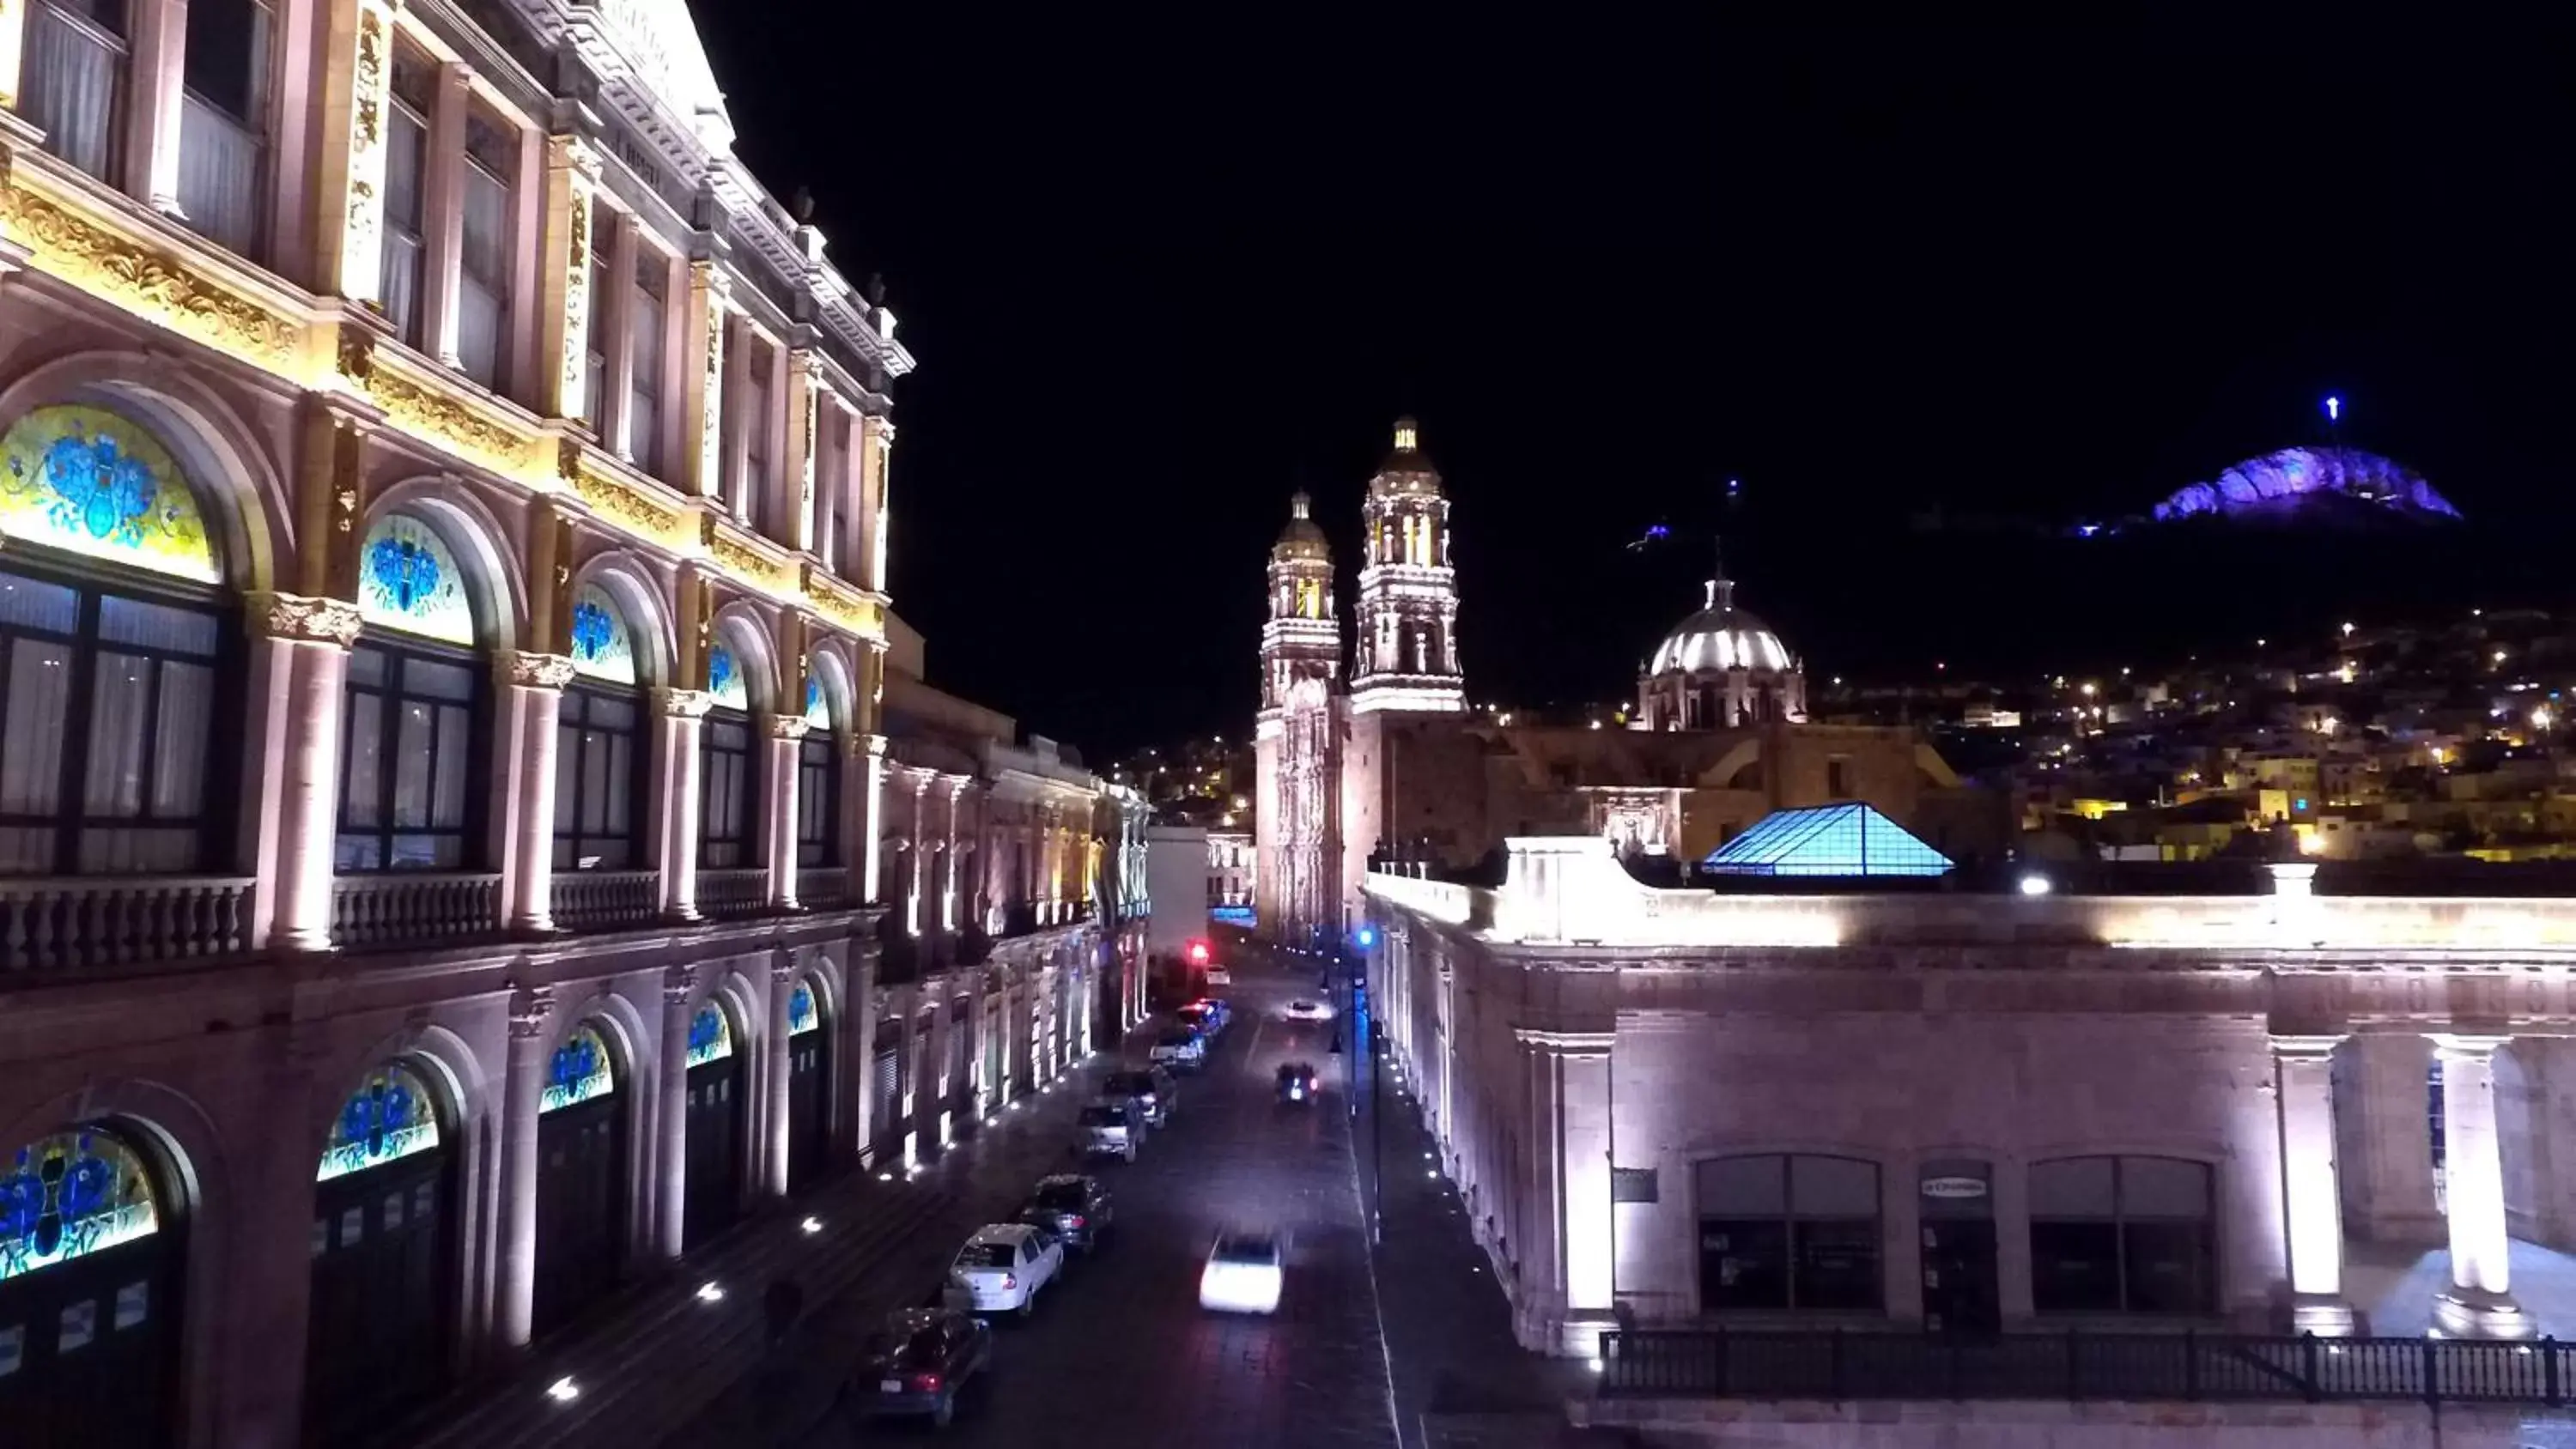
point(1384, 760)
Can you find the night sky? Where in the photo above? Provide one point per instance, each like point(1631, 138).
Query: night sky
point(1159, 273)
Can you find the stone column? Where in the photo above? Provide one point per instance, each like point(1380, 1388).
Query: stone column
point(682, 715)
point(532, 710)
point(742, 491)
point(671, 1111)
point(306, 644)
point(702, 384)
point(786, 736)
point(979, 1092)
point(564, 300)
point(863, 814)
point(349, 194)
point(782, 984)
point(806, 393)
point(2479, 1303)
point(445, 222)
point(155, 71)
point(616, 409)
point(876, 468)
point(858, 1048)
point(2313, 1206)
point(531, 1030)
point(940, 1084)
point(898, 1006)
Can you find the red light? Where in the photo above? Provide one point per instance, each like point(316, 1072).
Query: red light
point(1010, 1281)
point(1198, 953)
point(925, 1383)
point(1073, 1221)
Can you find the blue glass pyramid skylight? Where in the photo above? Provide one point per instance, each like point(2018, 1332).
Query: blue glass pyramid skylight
point(1826, 840)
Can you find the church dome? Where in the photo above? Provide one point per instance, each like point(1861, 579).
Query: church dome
point(1302, 538)
point(1721, 637)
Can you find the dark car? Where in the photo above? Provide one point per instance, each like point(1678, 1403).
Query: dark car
point(1071, 1206)
point(916, 1364)
point(1149, 1088)
point(1297, 1082)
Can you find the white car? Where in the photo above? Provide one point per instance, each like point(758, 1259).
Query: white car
point(1304, 1010)
point(1242, 1274)
point(1004, 1265)
point(1219, 976)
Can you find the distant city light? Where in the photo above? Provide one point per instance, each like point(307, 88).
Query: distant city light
point(2334, 409)
point(2540, 718)
point(2499, 656)
point(2347, 630)
point(2034, 885)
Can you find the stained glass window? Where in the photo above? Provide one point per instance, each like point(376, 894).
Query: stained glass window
point(408, 579)
point(601, 646)
point(581, 1070)
point(801, 1016)
point(724, 679)
point(71, 1194)
point(86, 481)
point(818, 706)
point(710, 1035)
point(390, 1116)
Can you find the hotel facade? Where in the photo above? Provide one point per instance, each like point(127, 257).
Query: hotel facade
point(446, 849)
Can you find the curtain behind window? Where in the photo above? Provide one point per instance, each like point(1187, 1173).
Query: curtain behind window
point(482, 307)
point(644, 420)
point(74, 73)
point(406, 156)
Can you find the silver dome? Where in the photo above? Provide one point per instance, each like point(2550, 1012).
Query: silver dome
point(1721, 637)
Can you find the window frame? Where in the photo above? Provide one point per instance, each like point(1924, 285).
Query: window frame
point(818, 760)
point(120, 103)
point(1787, 1221)
point(580, 694)
point(471, 833)
point(217, 810)
point(503, 173)
point(413, 331)
point(2119, 1222)
point(741, 851)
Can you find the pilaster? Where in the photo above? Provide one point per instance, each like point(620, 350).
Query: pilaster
point(702, 384)
point(532, 708)
point(445, 221)
point(155, 73)
point(301, 650)
point(531, 1029)
point(786, 737)
point(671, 1112)
point(349, 220)
point(876, 470)
point(774, 1059)
point(806, 393)
point(563, 278)
point(13, 50)
point(681, 716)
point(2313, 1206)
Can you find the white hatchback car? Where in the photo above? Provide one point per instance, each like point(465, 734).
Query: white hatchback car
point(1304, 1010)
point(1004, 1265)
point(1242, 1274)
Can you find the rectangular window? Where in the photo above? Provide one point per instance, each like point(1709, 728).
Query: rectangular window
point(74, 77)
point(644, 336)
point(816, 838)
point(833, 511)
point(406, 250)
point(725, 813)
point(483, 270)
point(754, 504)
point(223, 125)
point(2122, 1235)
point(598, 753)
point(1837, 779)
point(1789, 1232)
point(408, 756)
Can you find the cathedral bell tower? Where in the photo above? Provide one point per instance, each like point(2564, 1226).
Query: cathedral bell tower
point(1297, 737)
point(1406, 655)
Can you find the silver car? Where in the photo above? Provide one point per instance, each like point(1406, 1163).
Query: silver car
point(1112, 1128)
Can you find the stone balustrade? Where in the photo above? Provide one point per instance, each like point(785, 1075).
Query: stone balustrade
point(69, 923)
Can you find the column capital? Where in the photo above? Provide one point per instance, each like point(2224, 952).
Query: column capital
point(789, 726)
point(532, 1010)
point(2466, 1046)
point(2306, 1047)
point(296, 617)
point(683, 703)
point(521, 669)
point(571, 152)
point(679, 983)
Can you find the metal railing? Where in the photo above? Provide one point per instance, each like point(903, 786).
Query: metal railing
point(731, 894)
point(1758, 1364)
point(71, 923)
point(604, 900)
point(406, 908)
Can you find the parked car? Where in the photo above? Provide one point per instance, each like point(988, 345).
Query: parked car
point(1004, 1265)
point(1148, 1087)
point(1180, 1049)
point(1112, 1127)
point(1208, 1014)
point(1219, 976)
point(917, 1363)
point(1297, 1082)
point(1243, 1274)
point(1304, 1010)
point(1072, 1206)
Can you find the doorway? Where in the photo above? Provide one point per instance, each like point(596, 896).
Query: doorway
point(1957, 1211)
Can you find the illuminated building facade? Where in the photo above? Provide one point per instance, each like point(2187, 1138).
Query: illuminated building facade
point(1884, 1109)
point(443, 541)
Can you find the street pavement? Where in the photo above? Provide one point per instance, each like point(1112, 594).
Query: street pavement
point(1119, 1352)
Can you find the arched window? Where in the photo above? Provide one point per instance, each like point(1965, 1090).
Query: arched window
point(580, 1070)
point(70, 1195)
point(600, 750)
point(802, 1016)
point(818, 771)
point(113, 653)
point(390, 1116)
point(728, 813)
point(710, 1035)
point(411, 758)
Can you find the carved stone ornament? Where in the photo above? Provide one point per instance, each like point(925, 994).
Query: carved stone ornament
point(679, 983)
point(531, 1008)
point(293, 616)
point(145, 279)
point(535, 671)
point(788, 726)
point(683, 703)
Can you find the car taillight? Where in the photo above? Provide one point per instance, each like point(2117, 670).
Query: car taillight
point(1073, 1221)
point(1010, 1281)
point(925, 1383)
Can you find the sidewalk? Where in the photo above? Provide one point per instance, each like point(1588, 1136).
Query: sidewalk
point(660, 1351)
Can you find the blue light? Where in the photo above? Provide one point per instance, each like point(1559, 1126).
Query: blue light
point(1368, 937)
point(2334, 409)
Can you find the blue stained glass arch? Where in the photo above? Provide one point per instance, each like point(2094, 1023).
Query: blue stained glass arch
point(580, 1070)
point(724, 679)
point(408, 579)
point(818, 705)
point(801, 1015)
point(710, 1035)
point(69, 1195)
point(390, 1116)
point(87, 481)
point(602, 645)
